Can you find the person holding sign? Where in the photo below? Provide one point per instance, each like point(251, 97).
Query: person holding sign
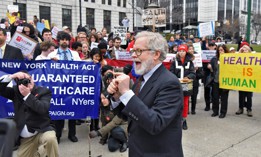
point(64, 53)
point(199, 75)
point(183, 68)
point(35, 133)
point(245, 98)
point(218, 92)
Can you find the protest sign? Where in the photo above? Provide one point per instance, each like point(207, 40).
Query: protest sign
point(2, 25)
point(220, 43)
point(197, 47)
point(197, 60)
point(40, 26)
point(205, 29)
point(207, 55)
point(8, 36)
point(123, 55)
point(170, 57)
point(55, 30)
point(19, 29)
point(155, 17)
point(12, 8)
point(94, 45)
point(121, 32)
point(21, 41)
point(240, 71)
point(75, 86)
point(46, 24)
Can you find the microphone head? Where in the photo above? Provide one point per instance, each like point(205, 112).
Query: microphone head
point(127, 69)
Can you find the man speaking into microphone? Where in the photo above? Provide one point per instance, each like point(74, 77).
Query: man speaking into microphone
point(154, 105)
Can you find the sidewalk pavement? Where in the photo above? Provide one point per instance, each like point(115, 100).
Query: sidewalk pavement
point(233, 136)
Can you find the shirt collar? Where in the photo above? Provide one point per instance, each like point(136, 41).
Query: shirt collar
point(61, 50)
point(3, 49)
point(149, 74)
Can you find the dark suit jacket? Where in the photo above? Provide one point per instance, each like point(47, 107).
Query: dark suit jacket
point(13, 53)
point(34, 112)
point(155, 117)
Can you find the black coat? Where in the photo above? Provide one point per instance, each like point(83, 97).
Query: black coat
point(34, 112)
point(12, 53)
point(155, 117)
point(189, 70)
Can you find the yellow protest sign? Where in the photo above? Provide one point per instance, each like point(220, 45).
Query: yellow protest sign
point(46, 24)
point(240, 71)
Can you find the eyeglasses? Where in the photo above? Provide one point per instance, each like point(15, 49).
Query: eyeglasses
point(138, 52)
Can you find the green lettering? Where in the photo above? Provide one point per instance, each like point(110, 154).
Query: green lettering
point(224, 81)
point(252, 83)
point(236, 82)
point(244, 83)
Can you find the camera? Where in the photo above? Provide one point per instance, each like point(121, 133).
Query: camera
point(24, 81)
point(108, 76)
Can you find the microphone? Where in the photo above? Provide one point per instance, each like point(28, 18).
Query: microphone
point(127, 69)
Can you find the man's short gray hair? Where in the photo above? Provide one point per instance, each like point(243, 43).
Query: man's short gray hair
point(155, 41)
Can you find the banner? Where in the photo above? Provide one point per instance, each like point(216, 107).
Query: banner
point(240, 71)
point(120, 31)
point(207, 55)
point(122, 63)
point(75, 86)
point(155, 17)
point(23, 42)
point(205, 29)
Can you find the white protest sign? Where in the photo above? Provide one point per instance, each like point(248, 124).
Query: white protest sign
point(12, 8)
point(197, 60)
point(154, 16)
point(121, 32)
point(197, 47)
point(8, 36)
point(2, 25)
point(220, 43)
point(123, 55)
point(207, 55)
point(55, 31)
point(19, 29)
point(94, 45)
point(170, 57)
point(21, 41)
point(205, 29)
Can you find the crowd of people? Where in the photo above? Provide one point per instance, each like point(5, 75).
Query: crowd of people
point(149, 109)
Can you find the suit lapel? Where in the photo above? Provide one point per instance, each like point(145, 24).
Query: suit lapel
point(150, 83)
point(146, 88)
point(6, 52)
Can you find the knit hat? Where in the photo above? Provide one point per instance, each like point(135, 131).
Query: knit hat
point(183, 47)
point(244, 43)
